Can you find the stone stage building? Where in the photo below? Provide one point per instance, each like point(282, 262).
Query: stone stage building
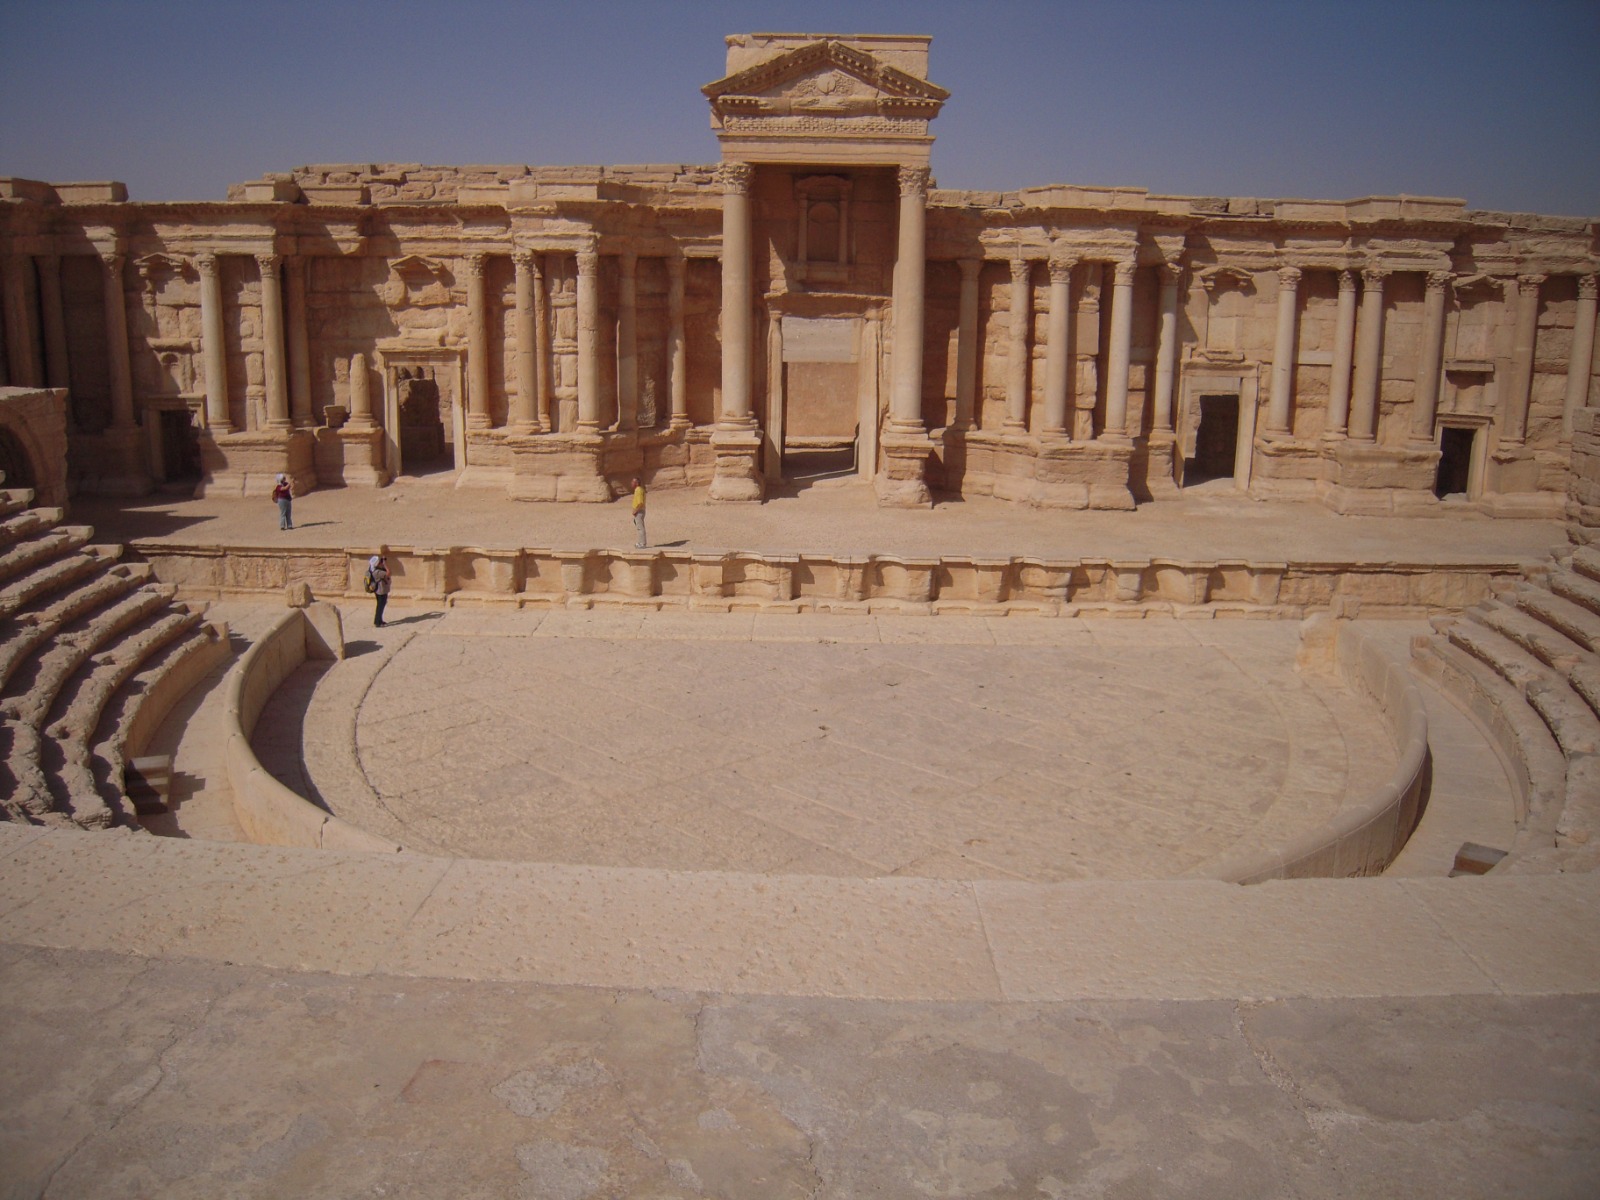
point(811, 304)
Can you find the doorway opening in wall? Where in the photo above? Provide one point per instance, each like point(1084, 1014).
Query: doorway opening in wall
point(820, 420)
point(806, 463)
point(1216, 442)
point(1455, 461)
point(425, 428)
point(179, 468)
point(15, 465)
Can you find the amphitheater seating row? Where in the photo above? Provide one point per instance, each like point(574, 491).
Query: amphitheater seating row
point(1528, 662)
point(84, 639)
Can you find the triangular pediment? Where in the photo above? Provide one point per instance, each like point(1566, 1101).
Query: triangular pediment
point(821, 74)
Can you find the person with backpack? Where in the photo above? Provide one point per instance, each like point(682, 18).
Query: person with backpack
point(283, 493)
point(378, 586)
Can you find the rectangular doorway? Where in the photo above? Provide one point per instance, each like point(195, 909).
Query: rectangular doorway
point(1216, 442)
point(1455, 461)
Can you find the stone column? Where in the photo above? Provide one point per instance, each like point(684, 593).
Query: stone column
point(1283, 352)
point(1167, 346)
point(1344, 342)
point(967, 343)
point(360, 392)
point(1523, 338)
point(1017, 359)
point(628, 341)
point(910, 284)
point(272, 359)
point(525, 405)
point(1369, 357)
point(1426, 405)
point(299, 345)
point(1058, 361)
point(677, 345)
point(736, 298)
point(1120, 348)
point(477, 341)
point(589, 339)
point(121, 368)
point(214, 346)
point(1582, 361)
point(21, 341)
point(57, 370)
point(542, 366)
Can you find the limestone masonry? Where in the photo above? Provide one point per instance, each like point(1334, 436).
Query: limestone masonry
point(811, 303)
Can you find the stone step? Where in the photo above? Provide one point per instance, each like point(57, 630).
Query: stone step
point(1579, 589)
point(15, 500)
point(17, 561)
point(27, 791)
point(46, 580)
point(29, 523)
point(28, 629)
point(1573, 620)
point(1576, 729)
point(1586, 561)
point(1551, 647)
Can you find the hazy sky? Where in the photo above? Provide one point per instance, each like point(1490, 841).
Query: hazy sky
point(1497, 103)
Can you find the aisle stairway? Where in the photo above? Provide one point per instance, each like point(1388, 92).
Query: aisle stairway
point(1528, 665)
point(85, 642)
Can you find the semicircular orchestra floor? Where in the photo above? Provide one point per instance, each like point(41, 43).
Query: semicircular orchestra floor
point(1016, 748)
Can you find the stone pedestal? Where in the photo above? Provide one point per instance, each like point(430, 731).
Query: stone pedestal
point(363, 464)
point(1516, 484)
point(902, 478)
point(737, 474)
point(1082, 475)
point(1371, 480)
point(248, 464)
point(1156, 463)
point(1288, 468)
point(557, 467)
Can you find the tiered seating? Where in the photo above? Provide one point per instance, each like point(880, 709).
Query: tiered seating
point(82, 639)
point(1530, 662)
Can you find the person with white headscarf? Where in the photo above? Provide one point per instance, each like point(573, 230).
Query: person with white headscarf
point(284, 495)
point(378, 586)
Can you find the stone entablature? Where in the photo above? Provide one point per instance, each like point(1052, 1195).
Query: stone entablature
point(1056, 345)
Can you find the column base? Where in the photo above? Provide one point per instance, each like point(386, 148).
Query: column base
point(350, 456)
point(902, 478)
point(1286, 467)
point(1155, 462)
point(736, 475)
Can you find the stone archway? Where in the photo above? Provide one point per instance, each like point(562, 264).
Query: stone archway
point(16, 466)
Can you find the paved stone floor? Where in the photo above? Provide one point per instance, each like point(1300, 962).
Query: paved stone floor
point(947, 747)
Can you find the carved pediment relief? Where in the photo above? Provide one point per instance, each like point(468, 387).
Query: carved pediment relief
point(416, 281)
point(824, 78)
point(157, 269)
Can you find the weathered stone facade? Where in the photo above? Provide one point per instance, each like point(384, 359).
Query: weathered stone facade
point(812, 299)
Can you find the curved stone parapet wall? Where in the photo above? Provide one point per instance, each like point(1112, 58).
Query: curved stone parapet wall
point(267, 811)
point(718, 580)
point(1365, 837)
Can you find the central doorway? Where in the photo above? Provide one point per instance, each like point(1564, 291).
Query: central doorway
point(1216, 443)
point(821, 410)
point(423, 421)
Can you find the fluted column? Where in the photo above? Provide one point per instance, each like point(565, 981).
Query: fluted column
point(1425, 408)
point(1058, 361)
point(677, 345)
point(524, 408)
point(477, 341)
point(910, 285)
point(57, 371)
point(272, 342)
point(589, 339)
point(1167, 346)
point(736, 320)
point(1283, 351)
point(21, 340)
point(1121, 347)
point(360, 392)
point(967, 343)
point(299, 344)
point(1523, 338)
point(213, 343)
point(121, 367)
point(1582, 361)
point(1017, 357)
point(1369, 357)
point(1344, 343)
point(544, 372)
point(628, 341)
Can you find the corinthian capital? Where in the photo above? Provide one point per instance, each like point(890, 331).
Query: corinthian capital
point(206, 264)
point(1530, 282)
point(914, 182)
point(1123, 270)
point(736, 177)
point(1439, 280)
point(1021, 269)
point(1289, 277)
point(476, 260)
point(1061, 269)
point(1586, 287)
point(1373, 277)
point(268, 262)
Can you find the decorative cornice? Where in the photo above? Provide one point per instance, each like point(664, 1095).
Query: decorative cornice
point(829, 52)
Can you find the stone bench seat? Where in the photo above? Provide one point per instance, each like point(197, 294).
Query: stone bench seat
point(1573, 621)
point(1586, 562)
point(28, 524)
point(1576, 587)
point(15, 500)
point(1574, 724)
point(60, 541)
point(26, 794)
point(30, 629)
point(46, 580)
point(1549, 645)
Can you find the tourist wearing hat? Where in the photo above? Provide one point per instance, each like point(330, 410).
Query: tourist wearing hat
point(283, 493)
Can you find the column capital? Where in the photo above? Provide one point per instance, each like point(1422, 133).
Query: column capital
point(1533, 280)
point(268, 261)
point(114, 261)
point(588, 257)
point(475, 260)
point(1021, 269)
point(736, 177)
point(1289, 277)
point(1122, 271)
point(525, 259)
point(969, 267)
point(1061, 269)
point(914, 181)
point(1373, 277)
point(1171, 272)
point(1439, 280)
point(206, 263)
point(1587, 287)
point(1347, 280)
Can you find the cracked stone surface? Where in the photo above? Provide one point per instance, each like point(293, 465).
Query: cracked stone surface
point(134, 1077)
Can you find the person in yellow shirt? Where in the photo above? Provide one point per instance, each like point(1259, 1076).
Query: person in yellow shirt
point(638, 513)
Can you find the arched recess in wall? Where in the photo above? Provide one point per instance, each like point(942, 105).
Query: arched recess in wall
point(16, 465)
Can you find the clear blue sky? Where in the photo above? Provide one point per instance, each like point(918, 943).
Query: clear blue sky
point(1497, 103)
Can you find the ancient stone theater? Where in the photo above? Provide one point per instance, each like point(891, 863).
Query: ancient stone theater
point(812, 302)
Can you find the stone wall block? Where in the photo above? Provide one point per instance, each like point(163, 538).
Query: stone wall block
point(709, 574)
point(992, 579)
point(1129, 581)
